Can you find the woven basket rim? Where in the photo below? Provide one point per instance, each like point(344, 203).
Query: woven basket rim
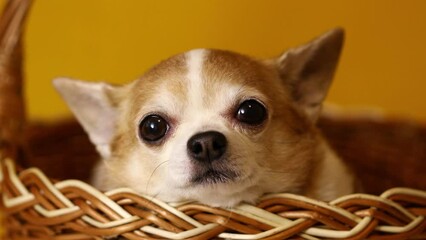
point(30, 194)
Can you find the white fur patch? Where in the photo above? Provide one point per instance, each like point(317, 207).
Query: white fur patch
point(195, 60)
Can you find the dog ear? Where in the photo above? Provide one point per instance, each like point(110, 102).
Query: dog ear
point(92, 105)
point(309, 70)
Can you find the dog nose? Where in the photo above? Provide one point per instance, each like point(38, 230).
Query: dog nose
point(207, 146)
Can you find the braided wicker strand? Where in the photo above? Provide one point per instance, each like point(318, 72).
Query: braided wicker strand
point(12, 107)
point(37, 208)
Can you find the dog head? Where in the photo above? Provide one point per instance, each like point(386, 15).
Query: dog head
point(211, 125)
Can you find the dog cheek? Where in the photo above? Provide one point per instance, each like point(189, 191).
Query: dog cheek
point(178, 164)
point(244, 155)
point(140, 171)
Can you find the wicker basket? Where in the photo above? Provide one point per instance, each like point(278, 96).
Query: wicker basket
point(384, 153)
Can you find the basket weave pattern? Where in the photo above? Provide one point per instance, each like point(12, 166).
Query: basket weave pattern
point(36, 208)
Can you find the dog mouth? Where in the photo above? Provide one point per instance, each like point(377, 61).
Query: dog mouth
point(211, 176)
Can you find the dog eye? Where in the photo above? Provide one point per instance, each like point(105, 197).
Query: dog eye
point(153, 128)
point(251, 112)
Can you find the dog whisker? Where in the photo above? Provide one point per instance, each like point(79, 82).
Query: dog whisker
point(152, 174)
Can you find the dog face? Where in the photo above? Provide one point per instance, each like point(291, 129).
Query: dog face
point(211, 125)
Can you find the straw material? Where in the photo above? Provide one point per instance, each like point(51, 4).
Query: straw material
point(36, 208)
point(12, 111)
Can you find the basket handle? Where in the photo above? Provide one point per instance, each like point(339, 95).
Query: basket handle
point(12, 108)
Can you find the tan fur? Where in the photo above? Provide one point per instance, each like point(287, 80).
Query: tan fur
point(284, 154)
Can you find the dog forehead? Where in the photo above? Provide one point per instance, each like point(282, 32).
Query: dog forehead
point(167, 76)
point(223, 72)
point(221, 65)
point(203, 76)
point(216, 65)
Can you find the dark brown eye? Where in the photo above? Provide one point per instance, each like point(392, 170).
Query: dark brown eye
point(251, 112)
point(153, 128)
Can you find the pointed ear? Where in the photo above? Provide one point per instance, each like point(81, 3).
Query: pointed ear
point(309, 70)
point(91, 104)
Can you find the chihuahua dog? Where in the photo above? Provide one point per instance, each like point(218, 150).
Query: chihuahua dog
point(216, 126)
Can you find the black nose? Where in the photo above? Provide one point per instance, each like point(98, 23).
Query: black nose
point(207, 146)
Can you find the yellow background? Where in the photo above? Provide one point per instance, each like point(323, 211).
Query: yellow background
point(383, 63)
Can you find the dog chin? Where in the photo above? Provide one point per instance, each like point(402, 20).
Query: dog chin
point(214, 188)
point(225, 194)
point(213, 173)
point(212, 176)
